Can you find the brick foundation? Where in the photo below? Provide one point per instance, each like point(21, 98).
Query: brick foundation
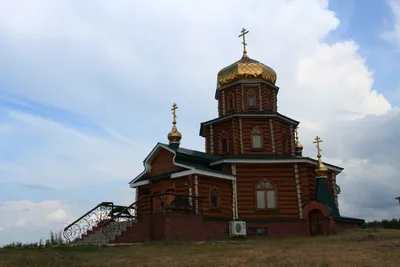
point(184, 227)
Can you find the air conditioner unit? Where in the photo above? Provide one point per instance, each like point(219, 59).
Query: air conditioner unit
point(237, 228)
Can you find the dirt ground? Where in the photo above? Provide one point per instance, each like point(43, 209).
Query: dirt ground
point(364, 248)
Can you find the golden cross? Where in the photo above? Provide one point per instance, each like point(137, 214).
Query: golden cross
point(174, 108)
point(317, 142)
point(244, 32)
point(297, 133)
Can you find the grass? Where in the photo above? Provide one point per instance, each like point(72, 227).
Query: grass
point(373, 248)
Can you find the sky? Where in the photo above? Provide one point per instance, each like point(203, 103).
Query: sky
point(86, 89)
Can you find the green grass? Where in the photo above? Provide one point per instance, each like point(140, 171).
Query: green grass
point(363, 248)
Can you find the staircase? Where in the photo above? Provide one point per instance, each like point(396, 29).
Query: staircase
point(104, 235)
point(108, 223)
point(101, 225)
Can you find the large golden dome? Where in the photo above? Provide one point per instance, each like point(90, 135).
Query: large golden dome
point(246, 68)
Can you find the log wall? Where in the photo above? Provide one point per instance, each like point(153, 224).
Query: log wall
point(163, 162)
point(264, 96)
point(225, 193)
point(281, 175)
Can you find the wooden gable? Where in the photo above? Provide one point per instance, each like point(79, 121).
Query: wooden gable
point(163, 162)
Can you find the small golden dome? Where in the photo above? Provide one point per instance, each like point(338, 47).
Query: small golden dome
point(321, 168)
point(174, 136)
point(299, 147)
point(246, 68)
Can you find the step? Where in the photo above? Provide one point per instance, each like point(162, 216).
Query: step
point(97, 237)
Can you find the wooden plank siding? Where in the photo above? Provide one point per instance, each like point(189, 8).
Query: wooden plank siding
point(163, 162)
point(218, 129)
point(247, 126)
point(282, 130)
point(205, 184)
point(281, 175)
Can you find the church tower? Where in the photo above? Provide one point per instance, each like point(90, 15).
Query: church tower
point(248, 120)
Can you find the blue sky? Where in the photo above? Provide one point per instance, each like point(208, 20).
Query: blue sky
point(85, 93)
point(366, 22)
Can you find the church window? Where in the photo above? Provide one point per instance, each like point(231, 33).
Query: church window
point(214, 198)
point(231, 102)
point(284, 145)
point(251, 98)
point(256, 137)
point(224, 143)
point(265, 195)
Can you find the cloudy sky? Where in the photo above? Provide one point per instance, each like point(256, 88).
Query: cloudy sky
point(86, 89)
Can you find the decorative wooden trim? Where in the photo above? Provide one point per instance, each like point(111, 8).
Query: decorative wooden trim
point(196, 194)
point(298, 190)
point(335, 195)
point(242, 97)
point(276, 196)
point(260, 97)
point(271, 127)
point(241, 135)
point(211, 139)
point(274, 101)
point(234, 195)
point(223, 103)
point(190, 187)
point(233, 168)
point(292, 152)
point(233, 137)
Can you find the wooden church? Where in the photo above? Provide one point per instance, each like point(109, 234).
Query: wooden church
point(252, 180)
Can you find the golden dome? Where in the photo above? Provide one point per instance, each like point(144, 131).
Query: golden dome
point(246, 68)
point(299, 147)
point(174, 136)
point(321, 168)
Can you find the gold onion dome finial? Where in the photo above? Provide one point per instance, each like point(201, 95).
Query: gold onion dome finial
point(245, 68)
point(299, 147)
point(321, 168)
point(174, 136)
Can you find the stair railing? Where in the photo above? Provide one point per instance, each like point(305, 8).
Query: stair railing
point(150, 204)
point(94, 217)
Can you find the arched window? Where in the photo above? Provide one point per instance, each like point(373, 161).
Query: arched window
point(251, 98)
point(265, 195)
point(256, 137)
point(214, 198)
point(224, 143)
point(231, 102)
point(284, 145)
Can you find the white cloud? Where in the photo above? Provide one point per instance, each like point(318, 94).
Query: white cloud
point(123, 64)
point(57, 216)
point(28, 221)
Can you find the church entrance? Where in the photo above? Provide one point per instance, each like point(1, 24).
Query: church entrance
point(315, 219)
